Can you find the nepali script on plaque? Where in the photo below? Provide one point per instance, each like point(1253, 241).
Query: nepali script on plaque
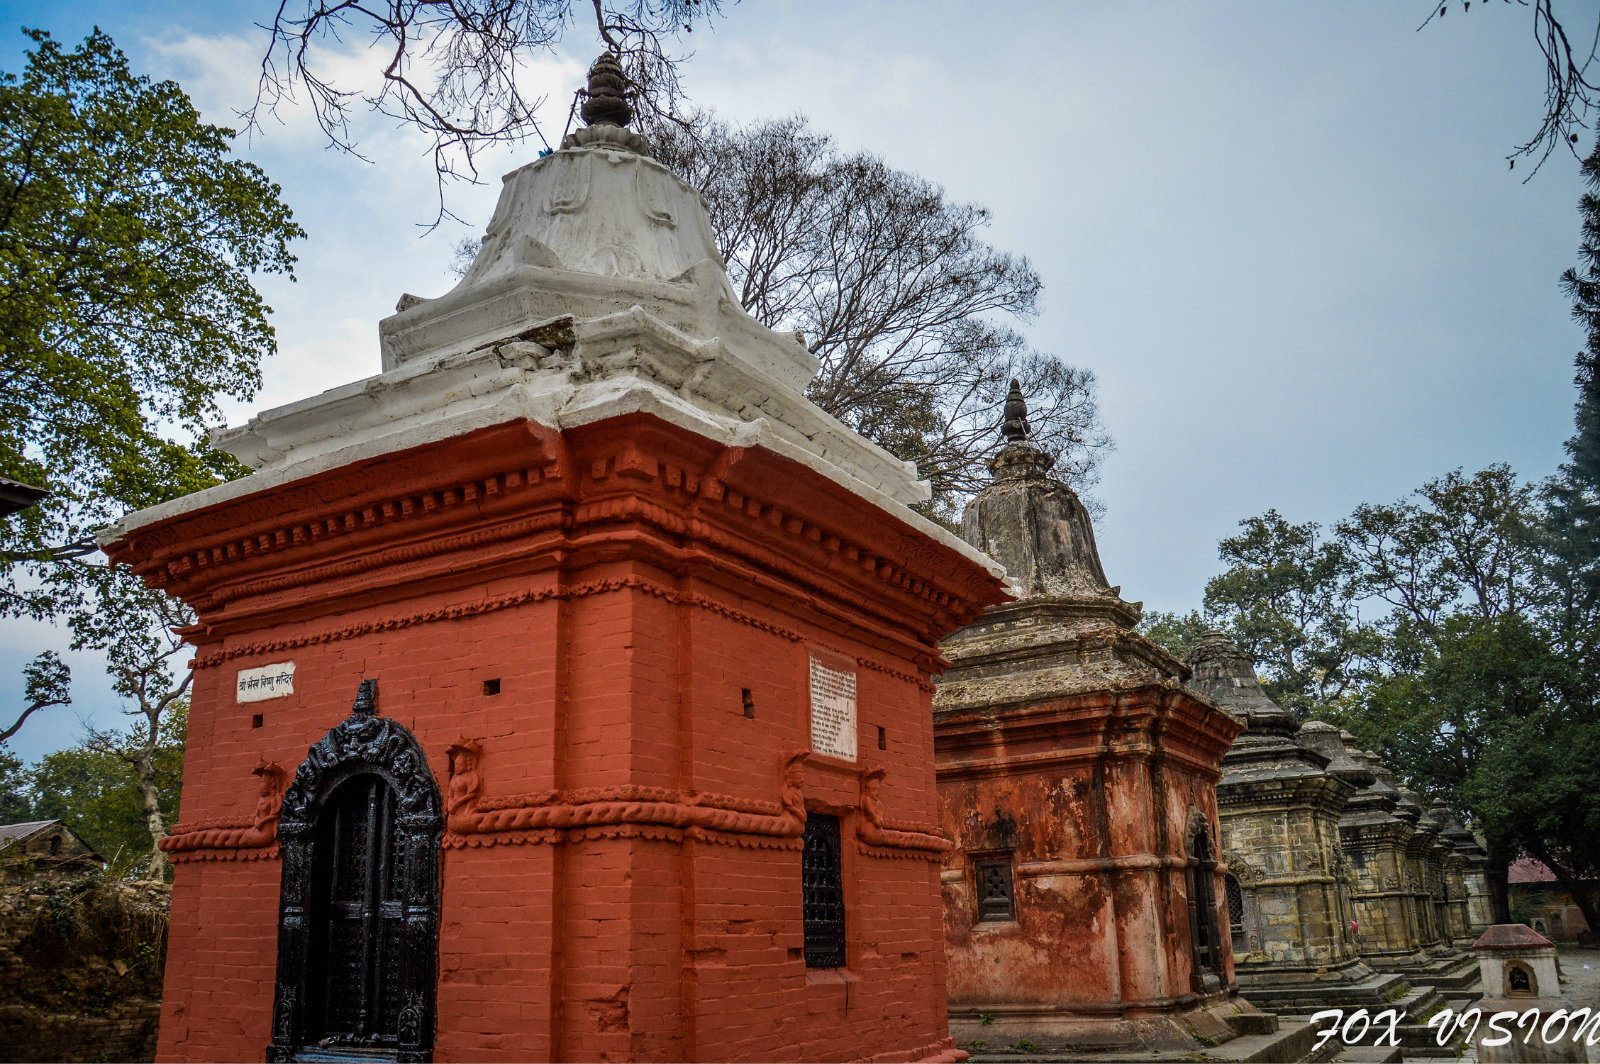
point(833, 711)
point(269, 681)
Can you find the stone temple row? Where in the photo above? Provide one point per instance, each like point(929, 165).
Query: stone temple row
point(1144, 843)
point(576, 689)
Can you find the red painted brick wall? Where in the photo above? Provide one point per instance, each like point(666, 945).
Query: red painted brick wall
point(1091, 796)
point(613, 943)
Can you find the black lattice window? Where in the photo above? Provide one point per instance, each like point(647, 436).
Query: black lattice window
point(1235, 905)
point(995, 898)
point(823, 892)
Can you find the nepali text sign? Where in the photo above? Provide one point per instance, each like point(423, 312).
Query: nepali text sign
point(269, 681)
point(833, 709)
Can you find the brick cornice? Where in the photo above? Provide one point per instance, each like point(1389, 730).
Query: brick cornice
point(550, 500)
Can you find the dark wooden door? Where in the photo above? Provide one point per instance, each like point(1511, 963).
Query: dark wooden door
point(357, 919)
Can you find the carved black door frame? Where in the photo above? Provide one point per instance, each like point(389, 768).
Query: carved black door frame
point(362, 743)
point(1204, 933)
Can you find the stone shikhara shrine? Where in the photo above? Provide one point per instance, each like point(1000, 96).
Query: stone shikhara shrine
point(1335, 900)
point(1077, 775)
point(639, 645)
point(567, 691)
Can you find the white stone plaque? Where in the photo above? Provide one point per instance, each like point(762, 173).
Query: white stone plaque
point(269, 681)
point(833, 710)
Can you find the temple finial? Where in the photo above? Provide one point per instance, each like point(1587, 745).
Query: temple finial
point(606, 101)
point(1015, 426)
point(366, 699)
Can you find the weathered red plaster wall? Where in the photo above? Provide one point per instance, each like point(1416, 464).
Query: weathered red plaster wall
point(1095, 809)
point(604, 944)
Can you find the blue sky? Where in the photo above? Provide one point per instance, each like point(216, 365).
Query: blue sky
point(1283, 235)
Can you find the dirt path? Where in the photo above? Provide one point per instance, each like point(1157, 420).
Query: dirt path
point(1580, 985)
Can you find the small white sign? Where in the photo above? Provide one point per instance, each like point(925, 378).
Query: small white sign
point(833, 711)
point(269, 681)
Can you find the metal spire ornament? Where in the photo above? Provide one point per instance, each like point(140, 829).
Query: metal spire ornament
point(606, 100)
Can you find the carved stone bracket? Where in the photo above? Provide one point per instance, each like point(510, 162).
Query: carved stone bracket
point(1243, 871)
point(877, 834)
point(187, 842)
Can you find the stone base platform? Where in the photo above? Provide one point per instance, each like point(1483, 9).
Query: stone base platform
point(1136, 1033)
point(1377, 990)
point(1450, 972)
point(1287, 1042)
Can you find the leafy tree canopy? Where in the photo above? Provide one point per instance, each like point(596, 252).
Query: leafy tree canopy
point(97, 793)
point(128, 237)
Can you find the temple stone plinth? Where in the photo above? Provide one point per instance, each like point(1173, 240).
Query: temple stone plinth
point(564, 691)
point(1084, 902)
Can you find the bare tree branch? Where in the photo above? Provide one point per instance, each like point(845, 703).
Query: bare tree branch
point(450, 68)
point(906, 306)
point(1569, 95)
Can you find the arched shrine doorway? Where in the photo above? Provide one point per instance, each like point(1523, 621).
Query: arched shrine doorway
point(1204, 935)
point(358, 924)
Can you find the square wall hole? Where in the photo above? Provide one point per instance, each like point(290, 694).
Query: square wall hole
point(257, 721)
point(491, 687)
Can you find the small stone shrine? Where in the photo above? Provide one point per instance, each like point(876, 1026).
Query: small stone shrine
point(1293, 949)
point(1521, 975)
point(1084, 902)
point(639, 643)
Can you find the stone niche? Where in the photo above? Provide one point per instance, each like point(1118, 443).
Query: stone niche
point(641, 762)
point(1287, 883)
point(1517, 962)
point(1084, 902)
point(1522, 978)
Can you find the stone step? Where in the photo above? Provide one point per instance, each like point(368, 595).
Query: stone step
point(1375, 993)
point(1417, 1006)
point(1293, 1042)
point(1369, 1055)
point(1450, 973)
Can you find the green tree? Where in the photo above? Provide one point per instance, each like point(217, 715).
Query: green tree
point(16, 807)
point(1539, 788)
point(1176, 633)
point(1418, 625)
point(47, 682)
point(96, 792)
point(1289, 598)
point(128, 237)
point(1571, 528)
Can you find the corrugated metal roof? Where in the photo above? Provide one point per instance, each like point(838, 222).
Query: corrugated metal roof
point(1527, 870)
point(10, 833)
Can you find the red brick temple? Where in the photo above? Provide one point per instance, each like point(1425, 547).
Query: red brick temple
point(1084, 903)
point(563, 692)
